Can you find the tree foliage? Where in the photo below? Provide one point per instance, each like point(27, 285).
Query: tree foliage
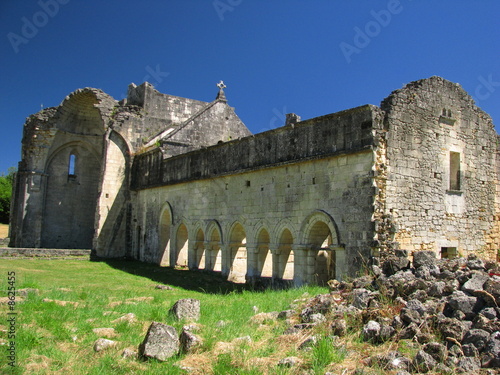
point(6, 182)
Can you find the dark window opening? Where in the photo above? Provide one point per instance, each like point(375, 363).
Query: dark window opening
point(449, 253)
point(454, 171)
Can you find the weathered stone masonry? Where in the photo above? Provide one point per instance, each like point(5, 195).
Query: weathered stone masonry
point(183, 183)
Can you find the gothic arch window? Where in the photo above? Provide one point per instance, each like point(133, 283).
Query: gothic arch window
point(72, 166)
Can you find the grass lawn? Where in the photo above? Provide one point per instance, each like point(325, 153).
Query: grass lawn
point(4, 230)
point(55, 339)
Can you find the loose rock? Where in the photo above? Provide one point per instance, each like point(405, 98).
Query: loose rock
point(187, 309)
point(161, 342)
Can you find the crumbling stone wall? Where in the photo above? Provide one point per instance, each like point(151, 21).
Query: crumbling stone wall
point(429, 122)
point(148, 119)
point(73, 184)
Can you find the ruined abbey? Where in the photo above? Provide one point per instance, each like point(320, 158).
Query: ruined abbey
point(181, 182)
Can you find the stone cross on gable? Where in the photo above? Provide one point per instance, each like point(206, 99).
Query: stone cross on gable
point(221, 85)
point(221, 96)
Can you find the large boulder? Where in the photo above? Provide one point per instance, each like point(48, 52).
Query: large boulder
point(161, 342)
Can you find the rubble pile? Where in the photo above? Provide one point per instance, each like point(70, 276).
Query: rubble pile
point(448, 308)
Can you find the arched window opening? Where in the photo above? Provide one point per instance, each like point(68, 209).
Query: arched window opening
point(72, 165)
point(181, 259)
point(165, 227)
point(214, 256)
point(321, 239)
point(238, 255)
point(199, 250)
point(286, 258)
point(265, 258)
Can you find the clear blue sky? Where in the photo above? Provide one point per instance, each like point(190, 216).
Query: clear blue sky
point(310, 57)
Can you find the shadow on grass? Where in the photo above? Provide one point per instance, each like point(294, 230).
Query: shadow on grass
point(199, 281)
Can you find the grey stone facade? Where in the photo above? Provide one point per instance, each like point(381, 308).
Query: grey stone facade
point(184, 183)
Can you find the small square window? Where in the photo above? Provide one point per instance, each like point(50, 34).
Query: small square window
point(449, 253)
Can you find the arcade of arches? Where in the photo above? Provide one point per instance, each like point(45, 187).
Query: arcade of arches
point(268, 254)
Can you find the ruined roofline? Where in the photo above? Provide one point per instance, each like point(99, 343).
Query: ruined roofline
point(414, 85)
point(345, 132)
point(99, 94)
point(303, 123)
point(149, 86)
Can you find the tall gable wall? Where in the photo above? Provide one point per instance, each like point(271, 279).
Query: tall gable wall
point(441, 178)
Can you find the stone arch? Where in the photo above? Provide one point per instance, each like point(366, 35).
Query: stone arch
point(214, 247)
point(84, 112)
point(320, 235)
point(164, 234)
point(237, 252)
point(180, 255)
point(71, 199)
point(264, 255)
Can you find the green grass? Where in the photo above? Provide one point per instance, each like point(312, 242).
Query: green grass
point(54, 339)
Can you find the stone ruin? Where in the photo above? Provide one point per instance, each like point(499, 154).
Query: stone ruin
point(183, 183)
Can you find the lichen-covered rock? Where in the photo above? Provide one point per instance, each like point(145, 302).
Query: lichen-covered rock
point(468, 365)
point(371, 331)
point(476, 337)
point(361, 298)
point(187, 309)
point(393, 360)
point(452, 328)
point(161, 342)
point(436, 350)
point(424, 258)
point(475, 283)
point(189, 341)
point(459, 301)
point(102, 344)
point(423, 362)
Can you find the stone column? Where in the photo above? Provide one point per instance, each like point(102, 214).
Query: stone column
point(310, 265)
point(226, 259)
point(192, 255)
point(340, 263)
point(300, 265)
point(277, 266)
point(208, 255)
point(252, 262)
